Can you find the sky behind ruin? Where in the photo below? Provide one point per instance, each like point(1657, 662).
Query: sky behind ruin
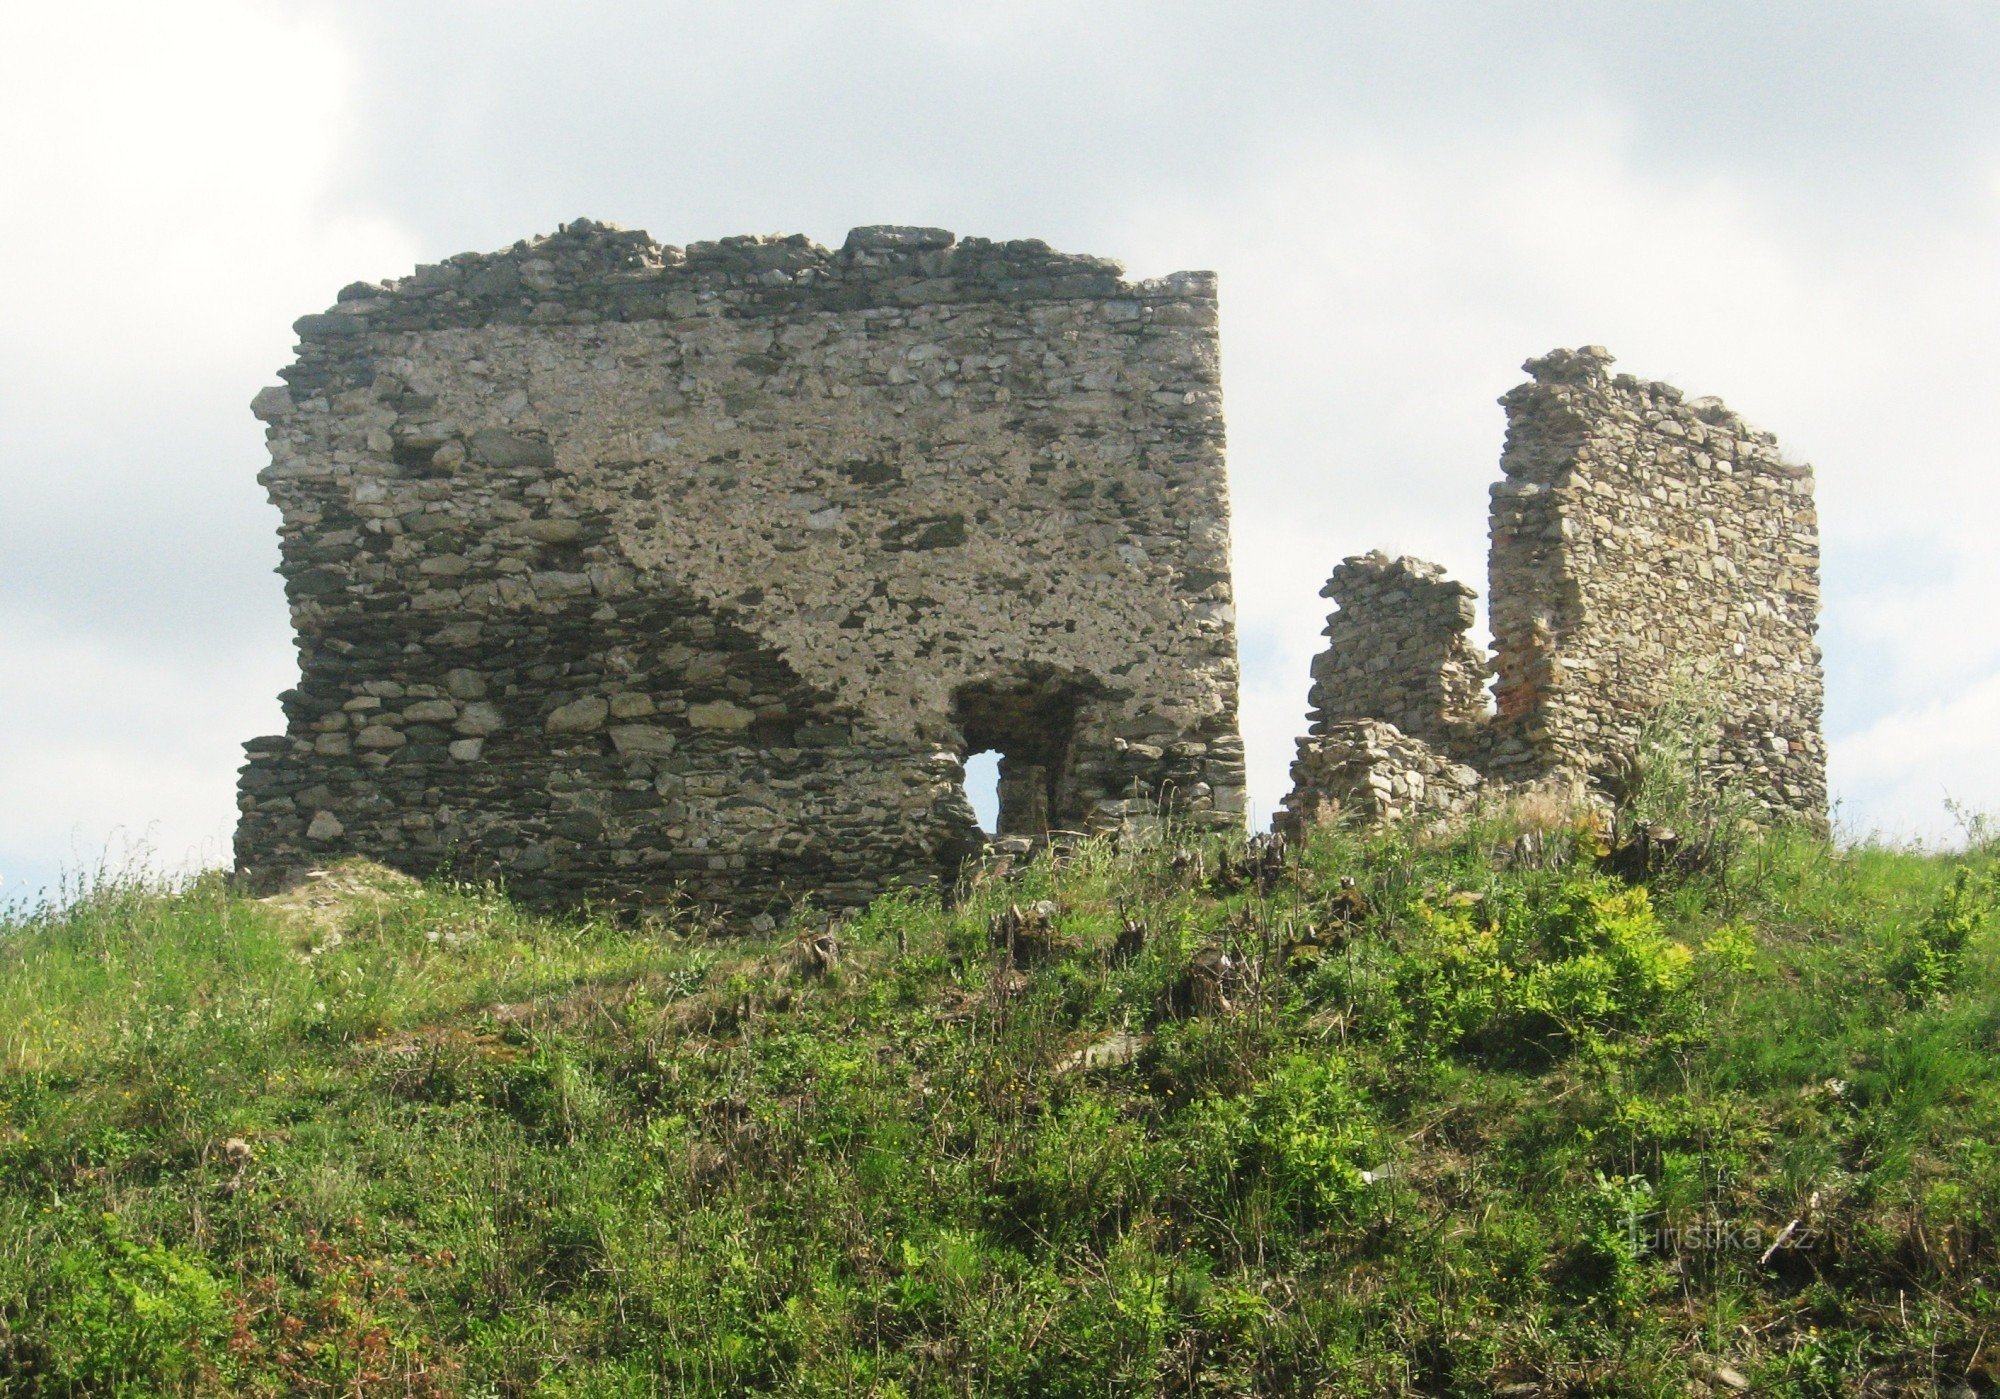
point(1794, 206)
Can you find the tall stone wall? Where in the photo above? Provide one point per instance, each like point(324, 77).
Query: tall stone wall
point(633, 573)
point(1640, 541)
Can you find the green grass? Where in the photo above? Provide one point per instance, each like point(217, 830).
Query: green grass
point(1487, 1122)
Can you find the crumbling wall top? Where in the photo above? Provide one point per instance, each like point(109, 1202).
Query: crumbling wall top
point(1573, 393)
point(1398, 650)
point(588, 272)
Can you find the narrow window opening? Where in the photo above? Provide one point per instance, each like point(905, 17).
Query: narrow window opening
point(982, 789)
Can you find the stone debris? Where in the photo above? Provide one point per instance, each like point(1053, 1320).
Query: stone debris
point(1215, 977)
point(1371, 771)
point(647, 576)
point(1638, 539)
point(324, 902)
point(1112, 1051)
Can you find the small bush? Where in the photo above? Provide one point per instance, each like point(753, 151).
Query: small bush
point(1293, 1149)
point(1926, 958)
point(1573, 964)
point(127, 1313)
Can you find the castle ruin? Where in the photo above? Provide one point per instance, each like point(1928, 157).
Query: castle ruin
point(646, 576)
point(1640, 540)
point(639, 574)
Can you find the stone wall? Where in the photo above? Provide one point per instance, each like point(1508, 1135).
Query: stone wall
point(1639, 536)
point(1398, 651)
point(1370, 771)
point(638, 574)
point(1640, 541)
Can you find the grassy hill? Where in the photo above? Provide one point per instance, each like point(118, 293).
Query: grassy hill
point(1465, 1115)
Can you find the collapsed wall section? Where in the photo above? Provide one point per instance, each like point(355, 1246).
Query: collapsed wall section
point(1369, 771)
point(638, 574)
point(1397, 697)
point(1398, 650)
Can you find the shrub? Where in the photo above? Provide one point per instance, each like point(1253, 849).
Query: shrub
point(1925, 960)
point(123, 1311)
point(1593, 963)
point(1675, 816)
point(1294, 1147)
point(1576, 965)
point(1452, 978)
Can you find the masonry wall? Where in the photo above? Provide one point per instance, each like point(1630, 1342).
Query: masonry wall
point(641, 574)
point(1641, 538)
point(1640, 541)
point(1399, 651)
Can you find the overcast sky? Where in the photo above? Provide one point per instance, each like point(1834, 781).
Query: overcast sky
point(1795, 206)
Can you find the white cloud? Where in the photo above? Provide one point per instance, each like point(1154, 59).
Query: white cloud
point(178, 182)
point(108, 751)
point(1898, 773)
point(164, 226)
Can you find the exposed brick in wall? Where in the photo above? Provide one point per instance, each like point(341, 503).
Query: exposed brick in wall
point(635, 573)
point(1640, 540)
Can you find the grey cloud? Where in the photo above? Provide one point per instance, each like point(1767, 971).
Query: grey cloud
point(144, 530)
point(804, 116)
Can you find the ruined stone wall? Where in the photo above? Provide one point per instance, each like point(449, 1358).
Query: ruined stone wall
point(1640, 542)
point(1370, 771)
point(635, 573)
point(1398, 651)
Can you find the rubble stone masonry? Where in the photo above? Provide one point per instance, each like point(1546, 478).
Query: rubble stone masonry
point(1398, 651)
point(641, 574)
point(1640, 540)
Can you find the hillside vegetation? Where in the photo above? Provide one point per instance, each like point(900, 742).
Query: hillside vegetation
point(1377, 1114)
